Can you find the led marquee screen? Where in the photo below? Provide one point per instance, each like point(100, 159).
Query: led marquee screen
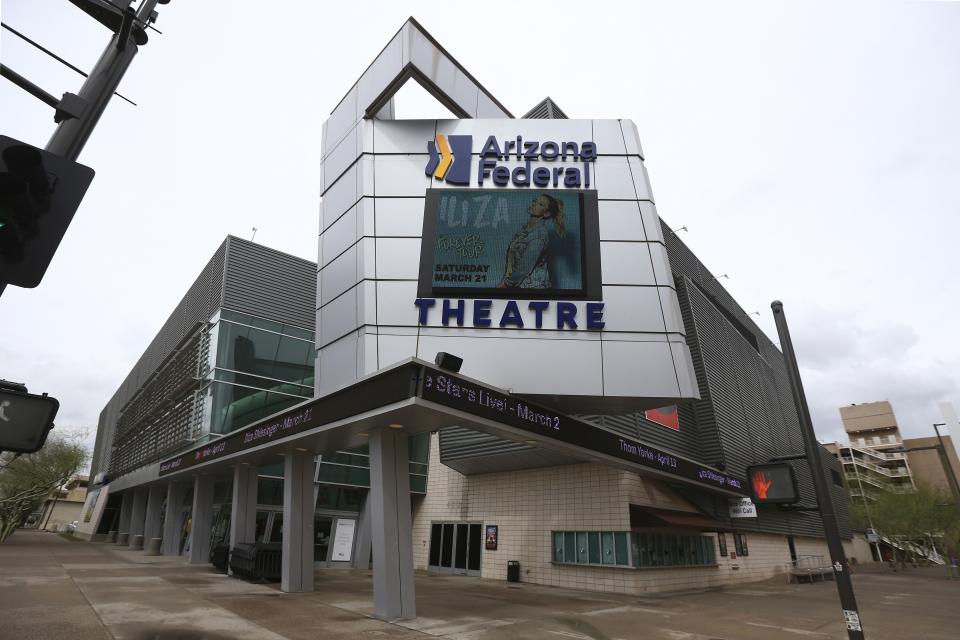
point(510, 243)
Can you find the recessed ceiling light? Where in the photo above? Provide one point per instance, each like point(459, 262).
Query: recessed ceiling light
point(363, 434)
point(300, 449)
point(394, 425)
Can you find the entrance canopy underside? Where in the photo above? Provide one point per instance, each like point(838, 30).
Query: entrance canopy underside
point(414, 396)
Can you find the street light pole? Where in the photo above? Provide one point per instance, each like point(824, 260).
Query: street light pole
point(71, 135)
point(947, 467)
point(841, 570)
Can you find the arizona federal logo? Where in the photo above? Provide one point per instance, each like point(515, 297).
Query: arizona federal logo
point(452, 163)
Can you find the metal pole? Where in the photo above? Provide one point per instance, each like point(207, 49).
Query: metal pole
point(71, 135)
point(17, 79)
point(841, 571)
point(866, 503)
point(947, 467)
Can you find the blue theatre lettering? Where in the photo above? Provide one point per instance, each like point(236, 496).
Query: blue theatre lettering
point(456, 311)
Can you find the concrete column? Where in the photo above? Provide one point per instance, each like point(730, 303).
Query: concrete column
point(126, 510)
point(298, 507)
point(171, 523)
point(361, 559)
point(138, 514)
point(151, 524)
point(243, 513)
point(391, 526)
point(202, 520)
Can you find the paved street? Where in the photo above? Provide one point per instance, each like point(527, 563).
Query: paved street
point(54, 588)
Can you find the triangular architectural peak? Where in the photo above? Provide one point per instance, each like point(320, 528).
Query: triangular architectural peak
point(411, 53)
point(547, 109)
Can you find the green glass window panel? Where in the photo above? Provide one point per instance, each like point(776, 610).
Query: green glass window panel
point(269, 491)
point(620, 547)
point(336, 474)
point(558, 546)
point(418, 484)
point(635, 549)
point(416, 467)
point(351, 499)
point(250, 350)
point(594, 545)
point(419, 448)
point(344, 457)
point(298, 332)
point(220, 524)
point(569, 546)
point(223, 492)
point(606, 547)
point(234, 407)
point(294, 359)
point(583, 556)
point(269, 325)
point(276, 535)
point(337, 498)
point(258, 382)
point(327, 496)
point(275, 469)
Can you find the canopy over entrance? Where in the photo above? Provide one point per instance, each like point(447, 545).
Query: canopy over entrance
point(414, 396)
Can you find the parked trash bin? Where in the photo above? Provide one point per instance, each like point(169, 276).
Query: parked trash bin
point(513, 571)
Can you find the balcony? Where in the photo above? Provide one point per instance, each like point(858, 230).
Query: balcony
point(873, 453)
point(890, 472)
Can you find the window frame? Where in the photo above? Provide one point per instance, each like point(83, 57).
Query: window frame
point(740, 540)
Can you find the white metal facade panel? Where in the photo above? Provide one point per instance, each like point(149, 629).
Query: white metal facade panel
point(371, 227)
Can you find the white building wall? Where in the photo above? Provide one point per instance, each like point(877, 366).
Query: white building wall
point(371, 223)
point(528, 505)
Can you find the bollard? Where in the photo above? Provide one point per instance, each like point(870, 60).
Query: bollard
point(112, 537)
point(152, 547)
point(123, 539)
point(137, 543)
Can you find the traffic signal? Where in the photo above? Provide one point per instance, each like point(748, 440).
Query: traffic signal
point(25, 418)
point(39, 193)
point(773, 483)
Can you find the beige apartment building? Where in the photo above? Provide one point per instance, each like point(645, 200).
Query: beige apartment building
point(878, 457)
point(64, 505)
point(871, 460)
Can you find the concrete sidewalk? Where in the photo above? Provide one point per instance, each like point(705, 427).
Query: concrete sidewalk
point(55, 588)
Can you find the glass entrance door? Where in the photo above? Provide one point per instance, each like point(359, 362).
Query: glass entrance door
point(269, 525)
point(455, 548)
point(321, 537)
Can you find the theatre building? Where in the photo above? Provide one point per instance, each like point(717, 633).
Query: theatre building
point(597, 398)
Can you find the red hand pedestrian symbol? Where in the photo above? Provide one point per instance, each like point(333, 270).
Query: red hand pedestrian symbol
point(761, 484)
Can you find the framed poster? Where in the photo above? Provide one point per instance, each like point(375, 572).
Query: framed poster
point(490, 537)
point(343, 540)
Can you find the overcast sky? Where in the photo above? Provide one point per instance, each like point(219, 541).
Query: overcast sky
point(812, 150)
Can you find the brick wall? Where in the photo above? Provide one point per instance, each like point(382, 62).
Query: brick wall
point(528, 504)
